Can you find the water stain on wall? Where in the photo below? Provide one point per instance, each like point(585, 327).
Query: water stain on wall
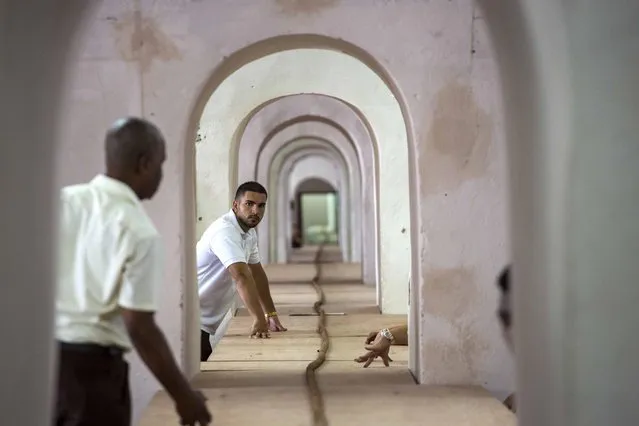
point(457, 144)
point(141, 39)
point(304, 7)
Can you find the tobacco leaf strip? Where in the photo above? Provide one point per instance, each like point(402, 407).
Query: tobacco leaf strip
point(314, 392)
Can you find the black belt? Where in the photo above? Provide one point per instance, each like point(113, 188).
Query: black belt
point(92, 348)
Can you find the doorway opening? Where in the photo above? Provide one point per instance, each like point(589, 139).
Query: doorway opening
point(318, 217)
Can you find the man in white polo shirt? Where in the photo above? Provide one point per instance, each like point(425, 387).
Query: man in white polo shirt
point(228, 262)
point(109, 270)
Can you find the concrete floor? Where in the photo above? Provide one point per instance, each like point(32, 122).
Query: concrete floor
point(251, 382)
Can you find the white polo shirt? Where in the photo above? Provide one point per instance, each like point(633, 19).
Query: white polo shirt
point(223, 243)
point(109, 256)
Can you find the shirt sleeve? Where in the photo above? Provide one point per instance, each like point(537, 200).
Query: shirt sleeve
point(142, 274)
point(254, 257)
point(227, 246)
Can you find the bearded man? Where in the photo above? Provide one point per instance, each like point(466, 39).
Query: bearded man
point(228, 263)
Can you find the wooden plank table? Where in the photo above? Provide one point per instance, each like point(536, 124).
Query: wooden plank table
point(406, 405)
point(255, 381)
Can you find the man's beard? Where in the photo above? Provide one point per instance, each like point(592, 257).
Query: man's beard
point(247, 224)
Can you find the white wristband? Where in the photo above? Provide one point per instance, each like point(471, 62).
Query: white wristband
point(388, 335)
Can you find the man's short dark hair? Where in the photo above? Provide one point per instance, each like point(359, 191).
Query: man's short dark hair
point(128, 139)
point(503, 281)
point(249, 187)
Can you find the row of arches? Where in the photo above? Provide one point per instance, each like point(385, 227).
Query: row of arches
point(326, 123)
point(308, 88)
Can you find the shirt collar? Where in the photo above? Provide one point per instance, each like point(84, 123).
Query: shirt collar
point(115, 187)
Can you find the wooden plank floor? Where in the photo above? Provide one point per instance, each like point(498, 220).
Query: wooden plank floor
point(250, 381)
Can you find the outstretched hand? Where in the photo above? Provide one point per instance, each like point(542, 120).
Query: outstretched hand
point(192, 409)
point(371, 337)
point(275, 325)
point(259, 329)
point(376, 346)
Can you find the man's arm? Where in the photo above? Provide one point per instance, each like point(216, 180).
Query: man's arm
point(261, 280)
point(137, 300)
point(378, 344)
point(227, 246)
point(264, 292)
point(263, 289)
point(151, 345)
point(247, 288)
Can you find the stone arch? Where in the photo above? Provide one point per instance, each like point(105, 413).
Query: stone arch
point(289, 137)
point(274, 172)
point(270, 117)
point(314, 185)
point(392, 142)
point(276, 114)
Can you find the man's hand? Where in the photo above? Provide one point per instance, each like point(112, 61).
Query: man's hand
point(192, 410)
point(259, 329)
point(379, 347)
point(275, 325)
point(371, 337)
point(154, 351)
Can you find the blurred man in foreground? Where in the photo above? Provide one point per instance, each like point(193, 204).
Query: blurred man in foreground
point(109, 276)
